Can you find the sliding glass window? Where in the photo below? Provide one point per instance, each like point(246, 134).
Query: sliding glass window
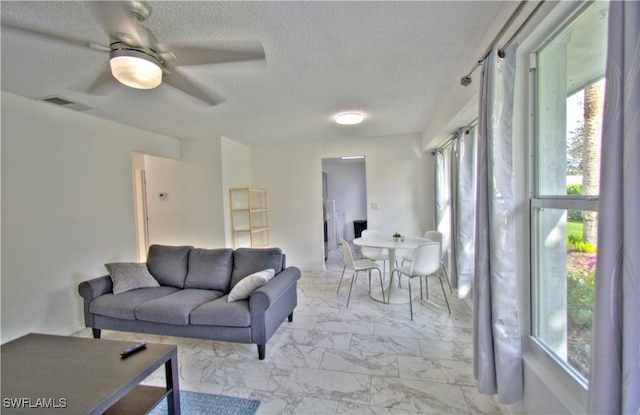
point(568, 81)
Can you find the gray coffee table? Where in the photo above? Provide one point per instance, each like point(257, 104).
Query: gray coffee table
point(72, 375)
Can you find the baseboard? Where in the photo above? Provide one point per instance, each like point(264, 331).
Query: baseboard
point(512, 409)
point(312, 269)
point(72, 330)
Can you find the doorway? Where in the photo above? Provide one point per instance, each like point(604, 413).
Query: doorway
point(344, 199)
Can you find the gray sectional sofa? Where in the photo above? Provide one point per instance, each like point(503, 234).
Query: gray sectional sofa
point(190, 298)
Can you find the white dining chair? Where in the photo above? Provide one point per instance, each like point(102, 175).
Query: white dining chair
point(425, 261)
point(356, 266)
point(374, 254)
point(436, 237)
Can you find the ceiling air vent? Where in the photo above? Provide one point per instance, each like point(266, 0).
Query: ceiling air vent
point(65, 103)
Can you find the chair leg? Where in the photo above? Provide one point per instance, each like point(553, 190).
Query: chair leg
point(420, 287)
point(447, 277)
point(410, 300)
point(426, 285)
point(390, 283)
point(444, 293)
point(381, 285)
point(354, 276)
point(342, 276)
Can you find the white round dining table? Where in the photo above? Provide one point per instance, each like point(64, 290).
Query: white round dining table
point(392, 293)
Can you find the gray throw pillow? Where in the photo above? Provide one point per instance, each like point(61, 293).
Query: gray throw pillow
point(128, 276)
point(243, 289)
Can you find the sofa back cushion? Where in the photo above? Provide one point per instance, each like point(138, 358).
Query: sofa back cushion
point(169, 264)
point(210, 269)
point(246, 261)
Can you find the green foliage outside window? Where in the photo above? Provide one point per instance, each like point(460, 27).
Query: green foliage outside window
point(581, 269)
point(574, 189)
point(575, 243)
point(580, 285)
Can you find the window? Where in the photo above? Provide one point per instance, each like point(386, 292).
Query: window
point(569, 85)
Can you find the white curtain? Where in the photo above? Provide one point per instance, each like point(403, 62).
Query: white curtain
point(453, 202)
point(443, 198)
point(497, 346)
point(464, 186)
point(614, 384)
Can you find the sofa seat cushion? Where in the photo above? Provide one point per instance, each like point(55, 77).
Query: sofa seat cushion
point(168, 264)
point(222, 313)
point(175, 308)
point(123, 305)
point(210, 269)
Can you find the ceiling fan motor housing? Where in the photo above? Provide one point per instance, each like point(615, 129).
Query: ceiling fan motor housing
point(122, 49)
point(139, 8)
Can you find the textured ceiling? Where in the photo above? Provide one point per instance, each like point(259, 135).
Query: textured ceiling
point(395, 61)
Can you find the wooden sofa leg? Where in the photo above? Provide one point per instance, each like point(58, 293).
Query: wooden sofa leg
point(290, 317)
point(96, 333)
point(261, 351)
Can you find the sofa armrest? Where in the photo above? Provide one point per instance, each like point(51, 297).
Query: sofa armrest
point(92, 289)
point(269, 293)
point(271, 304)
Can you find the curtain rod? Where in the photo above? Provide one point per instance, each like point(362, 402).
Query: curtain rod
point(517, 32)
point(455, 135)
point(466, 80)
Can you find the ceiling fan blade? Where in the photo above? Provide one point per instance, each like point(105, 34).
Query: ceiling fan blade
point(192, 55)
point(103, 83)
point(55, 36)
point(120, 23)
point(184, 84)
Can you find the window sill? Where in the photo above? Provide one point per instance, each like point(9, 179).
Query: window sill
point(568, 391)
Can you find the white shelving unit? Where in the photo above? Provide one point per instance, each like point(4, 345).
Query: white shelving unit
point(249, 217)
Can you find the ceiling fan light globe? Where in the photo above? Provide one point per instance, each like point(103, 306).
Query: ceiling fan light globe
point(136, 72)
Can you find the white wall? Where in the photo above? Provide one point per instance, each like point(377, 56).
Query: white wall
point(398, 177)
point(67, 208)
point(192, 213)
point(347, 185)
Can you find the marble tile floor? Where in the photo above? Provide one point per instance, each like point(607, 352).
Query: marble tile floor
point(369, 358)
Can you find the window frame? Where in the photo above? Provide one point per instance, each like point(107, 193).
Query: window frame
point(539, 357)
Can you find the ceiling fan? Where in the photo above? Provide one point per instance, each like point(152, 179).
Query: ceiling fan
point(137, 59)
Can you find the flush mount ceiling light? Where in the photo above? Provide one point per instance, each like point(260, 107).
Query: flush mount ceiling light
point(349, 118)
point(136, 68)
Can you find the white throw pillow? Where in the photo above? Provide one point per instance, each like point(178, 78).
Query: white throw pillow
point(243, 289)
point(128, 276)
